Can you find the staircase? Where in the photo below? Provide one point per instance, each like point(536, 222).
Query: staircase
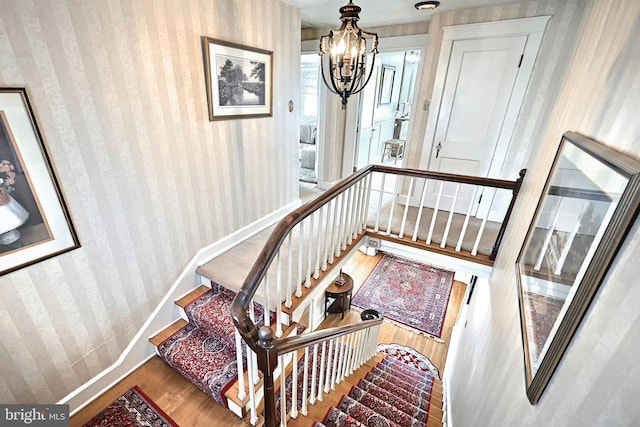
point(391, 393)
point(222, 333)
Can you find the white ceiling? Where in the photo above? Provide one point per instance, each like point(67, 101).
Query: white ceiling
point(377, 13)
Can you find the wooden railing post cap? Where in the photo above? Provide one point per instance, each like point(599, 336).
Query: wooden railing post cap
point(265, 336)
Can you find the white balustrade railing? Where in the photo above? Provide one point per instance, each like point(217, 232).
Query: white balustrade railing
point(438, 208)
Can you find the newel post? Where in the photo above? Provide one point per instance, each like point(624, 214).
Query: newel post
point(505, 221)
point(267, 362)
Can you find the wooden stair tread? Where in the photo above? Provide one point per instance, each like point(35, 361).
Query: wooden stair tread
point(192, 296)
point(161, 336)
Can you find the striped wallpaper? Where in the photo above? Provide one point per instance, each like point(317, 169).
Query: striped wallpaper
point(118, 89)
point(586, 80)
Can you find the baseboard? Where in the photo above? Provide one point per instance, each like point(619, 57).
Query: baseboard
point(139, 349)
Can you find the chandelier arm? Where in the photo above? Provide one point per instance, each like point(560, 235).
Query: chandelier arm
point(333, 90)
point(373, 62)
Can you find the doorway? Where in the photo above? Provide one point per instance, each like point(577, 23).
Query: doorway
point(482, 75)
point(385, 109)
point(309, 121)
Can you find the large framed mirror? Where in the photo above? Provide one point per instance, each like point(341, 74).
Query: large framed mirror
point(589, 202)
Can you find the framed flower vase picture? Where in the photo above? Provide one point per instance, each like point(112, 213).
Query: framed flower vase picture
point(590, 201)
point(34, 220)
point(238, 79)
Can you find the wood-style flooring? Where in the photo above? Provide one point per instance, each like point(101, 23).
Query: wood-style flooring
point(189, 406)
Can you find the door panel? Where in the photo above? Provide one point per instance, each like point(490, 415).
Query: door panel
point(480, 78)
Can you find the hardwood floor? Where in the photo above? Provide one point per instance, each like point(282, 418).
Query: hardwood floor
point(189, 406)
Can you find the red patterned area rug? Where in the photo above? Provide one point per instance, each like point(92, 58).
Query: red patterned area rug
point(132, 409)
point(408, 293)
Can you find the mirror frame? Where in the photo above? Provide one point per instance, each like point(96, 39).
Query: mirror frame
point(616, 230)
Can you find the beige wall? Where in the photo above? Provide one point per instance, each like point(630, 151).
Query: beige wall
point(118, 88)
point(597, 93)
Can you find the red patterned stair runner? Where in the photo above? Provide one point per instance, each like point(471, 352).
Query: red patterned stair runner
point(204, 350)
point(392, 394)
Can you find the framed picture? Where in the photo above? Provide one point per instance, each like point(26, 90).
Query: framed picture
point(589, 203)
point(386, 84)
point(239, 80)
point(34, 219)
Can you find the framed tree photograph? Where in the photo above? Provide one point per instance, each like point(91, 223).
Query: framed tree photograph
point(34, 220)
point(590, 201)
point(238, 79)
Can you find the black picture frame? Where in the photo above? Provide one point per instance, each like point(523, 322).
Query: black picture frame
point(35, 223)
point(386, 84)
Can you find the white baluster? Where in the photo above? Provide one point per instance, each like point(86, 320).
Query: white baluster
point(252, 372)
point(294, 385)
point(331, 231)
point(314, 375)
point(367, 199)
point(267, 309)
point(278, 295)
point(283, 392)
point(448, 227)
point(321, 372)
point(336, 356)
point(393, 205)
point(435, 214)
point(420, 209)
point(251, 355)
point(466, 219)
point(330, 355)
point(348, 234)
point(300, 252)
point(288, 303)
point(242, 394)
point(305, 381)
point(474, 252)
point(377, 226)
point(406, 208)
point(338, 243)
point(340, 369)
point(316, 272)
point(307, 282)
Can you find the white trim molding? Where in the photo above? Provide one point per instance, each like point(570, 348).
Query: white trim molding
point(140, 349)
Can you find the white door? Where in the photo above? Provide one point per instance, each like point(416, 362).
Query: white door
point(479, 82)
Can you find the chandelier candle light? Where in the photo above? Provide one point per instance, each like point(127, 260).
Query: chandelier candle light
point(344, 53)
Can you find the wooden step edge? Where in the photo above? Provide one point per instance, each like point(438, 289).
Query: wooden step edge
point(297, 301)
point(192, 296)
point(259, 423)
point(232, 392)
point(435, 413)
point(432, 247)
point(433, 422)
point(162, 336)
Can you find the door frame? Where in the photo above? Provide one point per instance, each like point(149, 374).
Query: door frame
point(534, 29)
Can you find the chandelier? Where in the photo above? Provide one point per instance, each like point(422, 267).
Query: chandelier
point(344, 55)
